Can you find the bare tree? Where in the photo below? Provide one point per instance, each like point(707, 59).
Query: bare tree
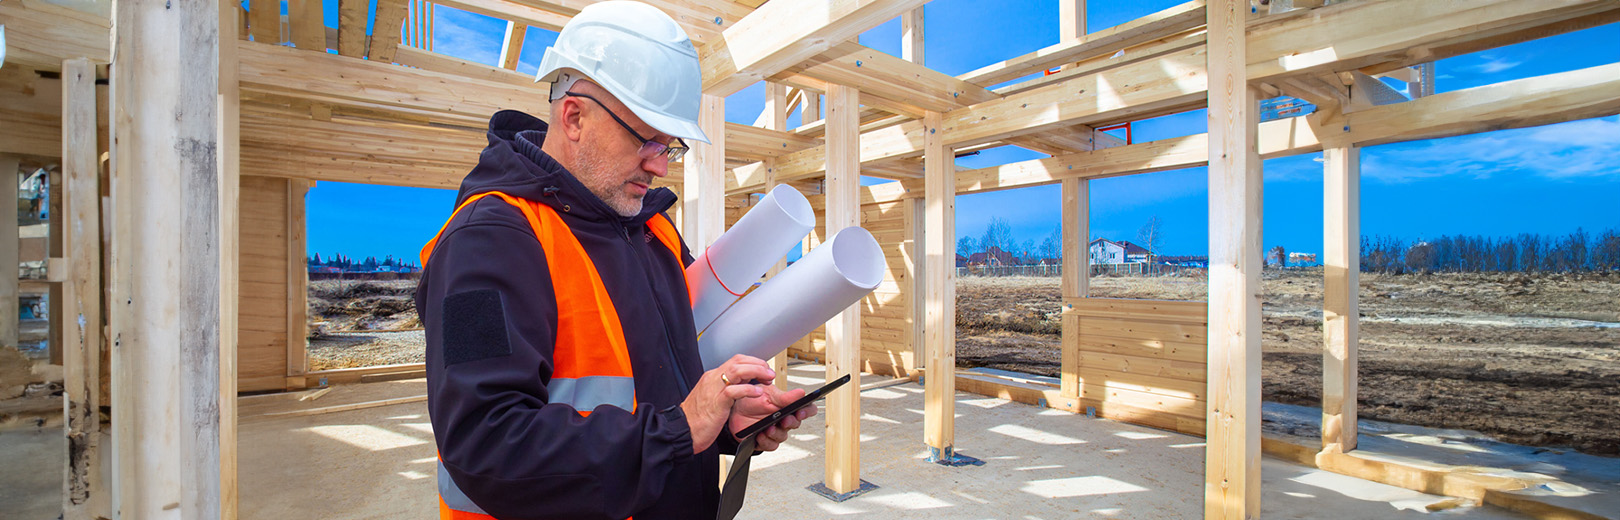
point(1052, 246)
point(997, 236)
point(1151, 237)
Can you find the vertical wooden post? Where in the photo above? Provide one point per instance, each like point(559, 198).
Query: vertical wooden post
point(1341, 260)
point(775, 118)
point(843, 470)
point(939, 389)
point(1076, 277)
point(10, 234)
point(911, 36)
point(512, 46)
point(704, 217)
point(167, 357)
point(297, 286)
point(916, 287)
point(1232, 456)
point(81, 300)
point(810, 111)
point(1071, 20)
point(230, 245)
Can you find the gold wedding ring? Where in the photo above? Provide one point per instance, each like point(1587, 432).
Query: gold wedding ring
point(725, 379)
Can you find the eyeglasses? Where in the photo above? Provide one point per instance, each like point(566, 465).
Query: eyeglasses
point(649, 147)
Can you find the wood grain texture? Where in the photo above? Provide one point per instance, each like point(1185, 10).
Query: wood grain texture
point(939, 396)
point(1341, 264)
point(843, 467)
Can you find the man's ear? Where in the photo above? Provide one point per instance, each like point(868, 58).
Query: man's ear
point(569, 118)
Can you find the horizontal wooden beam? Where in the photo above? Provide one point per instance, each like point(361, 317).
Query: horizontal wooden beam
point(783, 33)
point(1098, 44)
point(512, 12)
point(1178, 81)
point(40, 35)
point(876, 73)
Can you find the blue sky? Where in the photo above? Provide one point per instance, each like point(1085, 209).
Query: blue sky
point(1548, 179)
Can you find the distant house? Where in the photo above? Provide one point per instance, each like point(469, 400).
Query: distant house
point(1105, 251)
point(1183, 261)
point(325, 269)
point(995, 257)
point(961, 261)
point(1297, 258)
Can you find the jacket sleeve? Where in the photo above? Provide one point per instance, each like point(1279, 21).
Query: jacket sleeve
point(490, 317)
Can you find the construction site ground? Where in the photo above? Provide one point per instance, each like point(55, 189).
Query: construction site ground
point(1039, 463)
point(1526, 359)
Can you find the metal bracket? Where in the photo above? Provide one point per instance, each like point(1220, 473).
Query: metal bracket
point(821, 488)
point(949, 457)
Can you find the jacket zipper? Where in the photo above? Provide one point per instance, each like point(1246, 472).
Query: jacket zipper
point(669, 335)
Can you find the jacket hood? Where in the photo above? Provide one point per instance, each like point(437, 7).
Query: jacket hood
point(513, 163)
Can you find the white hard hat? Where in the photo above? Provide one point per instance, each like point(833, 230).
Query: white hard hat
point(639, 55)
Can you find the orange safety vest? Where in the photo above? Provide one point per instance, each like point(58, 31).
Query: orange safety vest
point(585, 375)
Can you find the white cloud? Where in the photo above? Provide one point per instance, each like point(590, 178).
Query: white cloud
point(1494, 64)
point(1577, 149)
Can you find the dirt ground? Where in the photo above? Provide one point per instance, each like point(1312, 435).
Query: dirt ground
point(363, 323)
point(1528, 359)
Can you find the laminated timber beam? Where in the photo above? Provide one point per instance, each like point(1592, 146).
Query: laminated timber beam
point(519, 13)
point(783, 33)
point(703, 20)
point(172, 439)
point(880, 74)
point(1099, 44)
point(1554, 98)
point(40, 35)
point(1232, 449)
point(843, 210)
point(1178, 81)
point(385, 31)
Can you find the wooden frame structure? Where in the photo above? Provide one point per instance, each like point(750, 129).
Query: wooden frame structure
point(263, 103)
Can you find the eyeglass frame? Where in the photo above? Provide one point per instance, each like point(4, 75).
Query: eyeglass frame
point(649, 148)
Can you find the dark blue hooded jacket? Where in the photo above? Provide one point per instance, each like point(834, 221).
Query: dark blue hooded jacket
point(509, 451)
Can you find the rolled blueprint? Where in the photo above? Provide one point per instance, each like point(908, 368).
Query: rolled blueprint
point(740, 256)
point(791, 304)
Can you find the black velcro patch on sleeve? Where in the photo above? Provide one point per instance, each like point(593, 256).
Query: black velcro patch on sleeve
point(474, 327)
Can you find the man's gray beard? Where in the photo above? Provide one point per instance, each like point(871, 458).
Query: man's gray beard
point(590, 174)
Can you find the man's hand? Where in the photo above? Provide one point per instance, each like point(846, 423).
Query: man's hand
point(750, 410)
point(710, 403)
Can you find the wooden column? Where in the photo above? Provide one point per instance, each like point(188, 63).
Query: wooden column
point(843, 471)
point(704, 190)
point(1071, 20)
point(810, 111)
point(512, 44)
point(911, 36)
point(1076, 276)
point(230, 245)
point(1232, 455)
point(774, 117)
point(10, 235)
point(939, 191)
point(166, 282)
point(81, 293)
point(297, 286)
point(1341, 261)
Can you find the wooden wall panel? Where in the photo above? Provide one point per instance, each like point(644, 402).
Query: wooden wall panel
point(262, 315)
point(1141, 361)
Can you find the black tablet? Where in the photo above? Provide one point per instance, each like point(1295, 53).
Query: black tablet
point(754, 429)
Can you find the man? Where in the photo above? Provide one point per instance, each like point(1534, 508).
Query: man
point(563, 373)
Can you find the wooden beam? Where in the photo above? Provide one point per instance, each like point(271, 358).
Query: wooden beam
point(843, 467)
point(518, 12)
point(1076, 228)
point(385, 31)
point(9, 234)
point(905, 85)
point(306, 24)
point(81, 296)
point(939, 392)
point(435, 62)
point(1079, 46)
point(1232, 455)
point(264, 21)
point(785, 32)
point(229, 152)
point(352, 17)
point(166, 281)
point(1177, 81)
point(704, 215)
point(512, 46)
point(773, 117)
point(41, 34)
point(346, 149)
point(911, 36)
point(1341, 247)
point(297, 286)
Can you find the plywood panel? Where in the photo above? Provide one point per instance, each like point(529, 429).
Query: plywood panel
point(1140, 361)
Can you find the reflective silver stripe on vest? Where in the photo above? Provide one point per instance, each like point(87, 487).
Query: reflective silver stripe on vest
point(452, 495)
point(587, 393)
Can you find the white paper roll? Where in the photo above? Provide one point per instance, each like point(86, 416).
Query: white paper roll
point(740, 256)
point(834, 276)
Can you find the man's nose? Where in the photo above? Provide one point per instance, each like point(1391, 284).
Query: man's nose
point(658, 165)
